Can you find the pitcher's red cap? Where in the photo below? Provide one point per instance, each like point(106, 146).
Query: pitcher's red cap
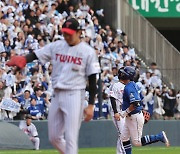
point(70, 26)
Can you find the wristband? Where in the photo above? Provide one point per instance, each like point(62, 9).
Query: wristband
point(125, 113)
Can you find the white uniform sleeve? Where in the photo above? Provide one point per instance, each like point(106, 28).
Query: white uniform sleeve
point(92, 66)
point(45, 54)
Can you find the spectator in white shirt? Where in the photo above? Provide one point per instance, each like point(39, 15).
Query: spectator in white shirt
point(155, 70)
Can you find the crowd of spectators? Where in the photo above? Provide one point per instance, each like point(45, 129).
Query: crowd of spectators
point(27, 25)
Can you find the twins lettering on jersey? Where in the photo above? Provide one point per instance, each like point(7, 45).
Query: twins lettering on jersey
point(68, 59)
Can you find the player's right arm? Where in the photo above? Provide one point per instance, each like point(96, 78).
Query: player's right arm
point(113, 96)
point(43, 54)
point(113, 104)
point(20, 61)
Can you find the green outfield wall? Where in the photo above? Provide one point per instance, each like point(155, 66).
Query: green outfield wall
point(102, 133)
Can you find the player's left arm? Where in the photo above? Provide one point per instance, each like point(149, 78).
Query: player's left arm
point(89, 110)
point(92, 68)
point(43, 54)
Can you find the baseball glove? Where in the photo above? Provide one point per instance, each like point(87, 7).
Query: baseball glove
point(147, 116)
point(19, 61)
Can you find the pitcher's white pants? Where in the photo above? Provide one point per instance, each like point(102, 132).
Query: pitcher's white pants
point(64, 120)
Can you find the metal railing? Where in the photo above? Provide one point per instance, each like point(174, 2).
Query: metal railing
point(150, 44)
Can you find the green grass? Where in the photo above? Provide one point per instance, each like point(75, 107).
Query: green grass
point(136, 150)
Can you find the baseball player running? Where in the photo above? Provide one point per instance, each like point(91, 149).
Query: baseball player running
point(132, 111)
point(73, 61)
point(116, 98)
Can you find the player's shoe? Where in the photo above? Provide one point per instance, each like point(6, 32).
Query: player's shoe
point(164, 138)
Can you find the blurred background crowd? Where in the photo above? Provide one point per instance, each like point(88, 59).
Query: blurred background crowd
point(27, 25)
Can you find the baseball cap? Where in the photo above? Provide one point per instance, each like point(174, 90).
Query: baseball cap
point(70, 26)
point(28, 116)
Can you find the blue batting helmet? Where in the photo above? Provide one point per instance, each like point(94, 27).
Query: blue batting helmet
point(126, 73)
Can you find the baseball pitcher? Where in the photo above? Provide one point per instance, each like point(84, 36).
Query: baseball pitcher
point(73, 62)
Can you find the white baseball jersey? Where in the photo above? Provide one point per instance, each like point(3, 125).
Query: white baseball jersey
point(71, 64)
point(116, 91)
point(30, 130)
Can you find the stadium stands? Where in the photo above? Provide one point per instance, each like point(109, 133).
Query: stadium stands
point(27, 26)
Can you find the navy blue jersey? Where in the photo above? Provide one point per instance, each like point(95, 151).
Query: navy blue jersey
point(105, 110)
point(132, 93)
point(96, 111)
point(40, 102)
point(25, 103)
point(34, 110)
point(151, 106)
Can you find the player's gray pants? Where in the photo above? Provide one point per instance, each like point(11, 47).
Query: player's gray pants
point(119, 125)
point(64, 120)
